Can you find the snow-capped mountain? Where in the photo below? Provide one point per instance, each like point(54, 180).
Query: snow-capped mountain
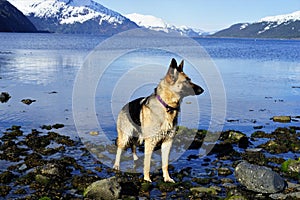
point(158, 24)
point(280, 26)
point(75, 16)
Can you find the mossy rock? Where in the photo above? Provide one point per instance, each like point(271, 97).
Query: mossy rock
point(206, 190)
point(167, 187)
point(282, 119)
point(236, 197)
point(45, 198)
point(291, 166)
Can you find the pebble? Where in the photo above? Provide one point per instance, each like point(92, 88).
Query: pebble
point(94, 133)
point(224, 171)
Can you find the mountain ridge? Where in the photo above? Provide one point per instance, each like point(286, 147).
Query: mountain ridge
point(279, 26)
point(157, 24)
point(13, 20)
point(73, 16)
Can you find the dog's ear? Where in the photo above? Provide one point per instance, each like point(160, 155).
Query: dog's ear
point(180, 67)
point(172, 74)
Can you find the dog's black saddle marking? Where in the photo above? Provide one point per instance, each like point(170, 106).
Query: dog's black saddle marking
point(134, 108)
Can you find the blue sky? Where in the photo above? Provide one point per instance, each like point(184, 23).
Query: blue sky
point(208, 15)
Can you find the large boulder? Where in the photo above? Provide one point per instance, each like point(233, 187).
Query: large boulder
point(259, 178)
point(104, 189)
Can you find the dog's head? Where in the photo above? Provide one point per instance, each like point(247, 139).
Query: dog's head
point(179, 82)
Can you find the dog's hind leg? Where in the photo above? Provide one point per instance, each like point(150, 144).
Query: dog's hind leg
point(165, 151)
point(133, 148)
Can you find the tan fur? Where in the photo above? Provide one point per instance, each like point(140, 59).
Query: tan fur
point(157, 123)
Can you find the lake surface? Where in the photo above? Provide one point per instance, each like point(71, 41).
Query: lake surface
point(261, 79)
point(82, 81)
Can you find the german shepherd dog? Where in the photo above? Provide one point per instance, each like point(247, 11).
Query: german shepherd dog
point(153, 119)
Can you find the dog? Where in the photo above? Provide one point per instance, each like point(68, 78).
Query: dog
point(153, 119)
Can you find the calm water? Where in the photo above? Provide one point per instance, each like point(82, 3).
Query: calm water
point(261, 79)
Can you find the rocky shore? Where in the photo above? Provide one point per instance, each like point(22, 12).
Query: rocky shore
point(43, 164)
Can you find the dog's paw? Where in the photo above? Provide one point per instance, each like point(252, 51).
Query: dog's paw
point(169, 180)
point(147, 179)
point(135, 158)
point(116, 167)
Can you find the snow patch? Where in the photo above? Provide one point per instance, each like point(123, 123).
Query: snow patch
point(282, 18)
point(158, 24)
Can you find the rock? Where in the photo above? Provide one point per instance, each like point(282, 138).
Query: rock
point(4, 97)
point(236, 197)
point(282, 196)
point(4, 190)
point(236, 136)
point(50, 169)
point(259, 178)
point(291, 166)
point(94, 133)
point(224, 171)
point(210, 190)
point(282, 119)
point(6, 177)
point(166, 187)
point(27, 101)
point(103, 189)
point(58, 126)
point(44, 180)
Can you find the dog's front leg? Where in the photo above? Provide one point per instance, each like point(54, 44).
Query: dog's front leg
point(165, 152)
point(149, 147)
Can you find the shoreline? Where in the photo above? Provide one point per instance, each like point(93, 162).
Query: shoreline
point(44, 163)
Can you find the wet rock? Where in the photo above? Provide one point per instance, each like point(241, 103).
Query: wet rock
point(4, 190)
point(104, 189)
point(209, 190)
point(282, 119)
point(282, 141)
point(235, 137)
point(6, 177)
point(4, 97)
point(236, 197)
point(58, 126)
point(224, 171)
point(260, 134)
point(28, 101)
point(291, 166)
point(222, 149)
point(229, 186)
point(41, 179)
point(281, 196)
point(81, 182)
point(34, 160)
point(255, 157)
point(37, 142)
point(258, 127)
point(167, 187)
point(94, 133)
point(258, 178)
point(47, 127)
point(13, 132)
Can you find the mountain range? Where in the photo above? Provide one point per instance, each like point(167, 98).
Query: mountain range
point(158, 24)
point(73, 16)
point(280, 26)
point(90, 17)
